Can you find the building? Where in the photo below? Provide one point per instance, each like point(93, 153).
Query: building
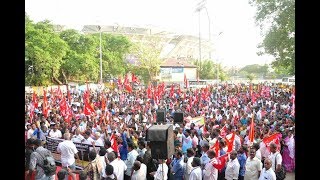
point(172, 70)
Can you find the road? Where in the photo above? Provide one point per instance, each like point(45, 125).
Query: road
point(290, 176)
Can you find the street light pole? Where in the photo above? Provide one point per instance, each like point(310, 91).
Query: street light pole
point(209, 23)
point(199, 7)
point(100, 54)
point(199, 42)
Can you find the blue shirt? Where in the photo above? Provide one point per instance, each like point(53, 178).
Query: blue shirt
point(244, 121)
point(204, 159)
point(242, 158)
point(124, 148)
point(39, 134)
point(222, 152)
point(177, 167)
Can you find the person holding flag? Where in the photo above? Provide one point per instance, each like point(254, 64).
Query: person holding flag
point(210, 172)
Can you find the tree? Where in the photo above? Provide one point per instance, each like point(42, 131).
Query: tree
point(279, 40)
point(114, 51)
point(209, 70)
point(80, 62)
point(256, 69)
point(250, 77)
point(148, 57)
point(44, 51)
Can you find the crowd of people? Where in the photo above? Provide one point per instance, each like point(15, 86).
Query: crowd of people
point(252, 127)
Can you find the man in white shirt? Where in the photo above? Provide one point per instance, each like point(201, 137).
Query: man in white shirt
point(138, 172)
point(275, 156)
point(188, 164)
point(102, 153)
point(233, 167)
point(55, 132)
point(68, 150)
point(253, 166)
point(267, 173)
point(209, 171)
point(77, 137)
point(256, 146)
point(87, 139)
point(132, 156)
point(162, 171)
point(196, 173)
point(30, 131)
point(118, 165)
point(142, 148)
point(98, 140)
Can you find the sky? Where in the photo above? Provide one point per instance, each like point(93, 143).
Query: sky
point(232, 27)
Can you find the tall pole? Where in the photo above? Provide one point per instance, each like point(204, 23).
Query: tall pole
point(100, 55)
point(199, 43)
point(209, 23)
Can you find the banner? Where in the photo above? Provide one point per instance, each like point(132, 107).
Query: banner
point(198, 121)
point(84, 149)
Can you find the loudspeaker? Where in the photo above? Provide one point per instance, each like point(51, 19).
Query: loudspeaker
point(161, 141)
point(161, 115)
point(178, 117)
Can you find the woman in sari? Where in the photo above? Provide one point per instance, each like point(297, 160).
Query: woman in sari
point(288, 156)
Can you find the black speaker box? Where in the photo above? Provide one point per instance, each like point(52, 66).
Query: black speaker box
point(178, 117)
point(161, 115)
point(161, 141)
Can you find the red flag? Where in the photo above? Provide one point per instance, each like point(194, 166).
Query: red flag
point(59, 93)
point(135, 79)
point(223, 131)
point(34, 99)
point(251, 132)
point(273, 138)
point(119, 83)
point(216, 148)
point(171, 91)
point(127, 85)
point(45, 104)
point(221, 162)
point(230, 142)
point(186, 83)
point(103, 102)
point(31, 112)
point(114, 144)
point(63, 106)
point(68, 116)
point(88, 110)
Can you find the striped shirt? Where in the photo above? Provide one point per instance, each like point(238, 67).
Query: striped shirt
point(36, 160)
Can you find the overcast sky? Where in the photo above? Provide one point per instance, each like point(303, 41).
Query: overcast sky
point(232, 19)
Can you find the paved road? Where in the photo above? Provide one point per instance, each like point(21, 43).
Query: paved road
point(290, 176)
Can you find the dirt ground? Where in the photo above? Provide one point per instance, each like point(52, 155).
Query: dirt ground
point(290, 176)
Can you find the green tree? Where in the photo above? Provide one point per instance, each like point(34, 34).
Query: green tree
point(256, 69)
point(209, 70)
point(44, 51)
point(114, 51)
point(279, 39)
point(148, 57)
point(80, 62)
point(250, 76)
